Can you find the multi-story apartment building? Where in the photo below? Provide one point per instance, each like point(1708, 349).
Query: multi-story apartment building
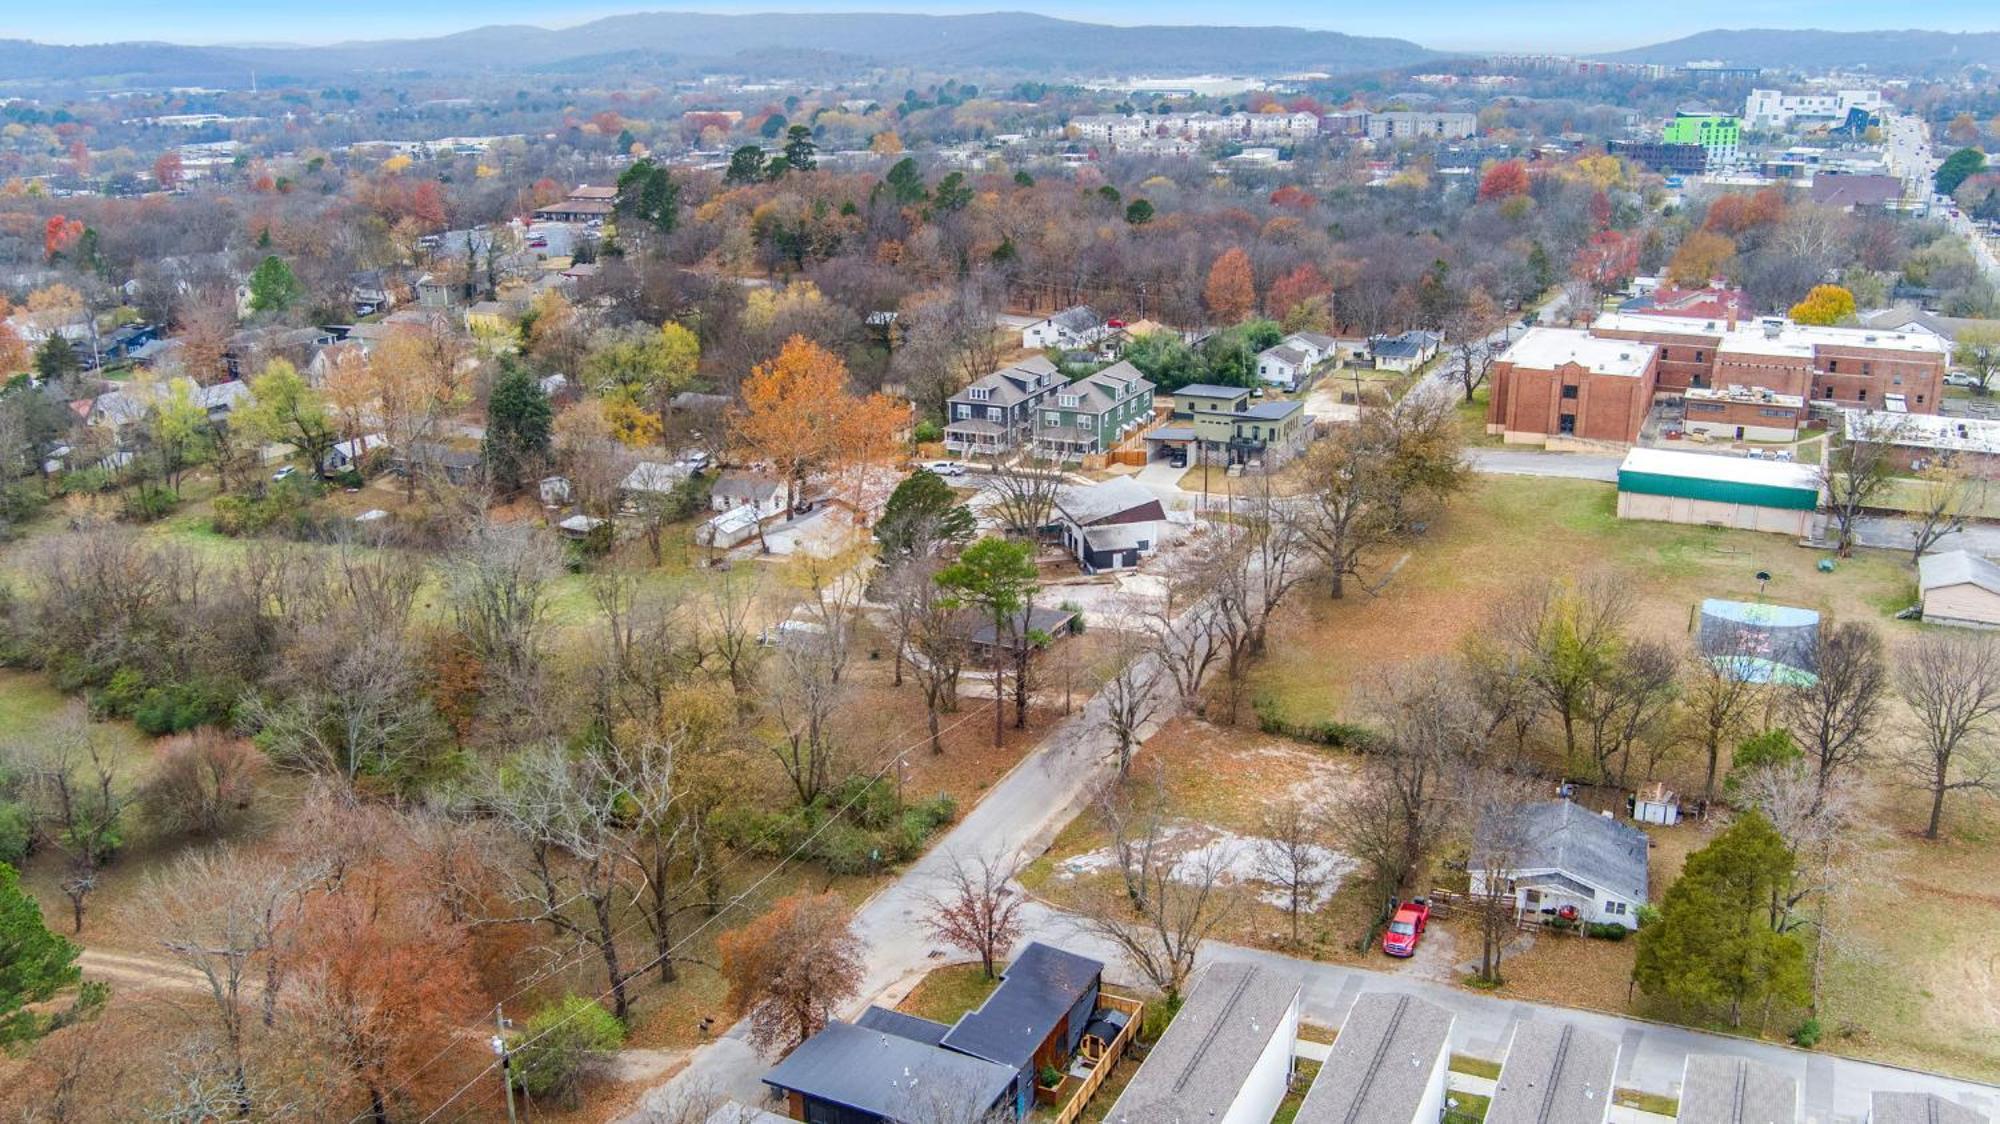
point(997, 414)
point(1094, 413)
point(1721, 136)
point(1410, 126)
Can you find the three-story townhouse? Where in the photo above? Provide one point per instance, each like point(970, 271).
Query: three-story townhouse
point(1093, 414)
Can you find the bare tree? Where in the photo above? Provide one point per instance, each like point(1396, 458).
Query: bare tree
point(1180, 907)
point(1503, 839)
point(1946, 496)
point(497, 586)
point(1628, 703)
point(1182, 630)
point(1951, 684)
point(1834, 717)
point(729, 634)
point(1293, 856)
point(938, 648)
point(1132, 695)
point(1377, 480)
point(1832, 839)
point(1718, 694)
point(1024, 495)
point(76, 793)
point(1432, 730)
point(980, 912)
point(803, 692)
point(1564, 637)
point(1854, 472)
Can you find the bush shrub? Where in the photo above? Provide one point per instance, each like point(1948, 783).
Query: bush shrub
point(928, 430)
point(17, 833)
point(179, 707)
point(1806, 1035)
point(148, 504)
point(561, 1044)
point(203, 784)
point(1605, 931)
point(1330, 733)
point(872, 829)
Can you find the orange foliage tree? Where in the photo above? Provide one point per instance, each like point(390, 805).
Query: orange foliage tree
point(1702, 255)
point(1504, 180)
point(791, 967)
point(799, 417)
point(1737, 214)
point(1230, 293)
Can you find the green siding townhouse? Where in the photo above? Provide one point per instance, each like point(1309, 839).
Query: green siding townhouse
point(1094, 413)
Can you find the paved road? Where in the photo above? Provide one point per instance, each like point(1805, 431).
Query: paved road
point(1534, 462)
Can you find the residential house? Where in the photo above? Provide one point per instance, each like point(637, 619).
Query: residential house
point(756, 491)
point(849, 1074)
point(489, 317)
point(371, 291)
point(251, 349)
point(1560, 859)
point(1072, 329)
point(1715, 301)
point(1555, 1073)
point(1885, 1107)
point(1227, 1056)
point(434, 291)
point(457, 465)
point(1283, 366)
point(1035, 1018)
point(652, 479)
point(1405, 352)
point(1223, 427)
point(1111, 525)
point(1726, 1090)
point(1094, 413)
point(997, 413)
point(349, 454)
point(1387, 1066)
point(119, 410)
point(1959, 588)
point(1564, 382)
point(1319, 348)
point(986, 645)
point(1901, 319)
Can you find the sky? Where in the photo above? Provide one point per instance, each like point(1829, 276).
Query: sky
point(1545, 25)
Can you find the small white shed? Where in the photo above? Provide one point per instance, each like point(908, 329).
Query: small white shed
point(1960, 588)
point(1656, 804)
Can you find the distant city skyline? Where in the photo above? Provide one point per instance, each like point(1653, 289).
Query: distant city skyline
point(1557, 26)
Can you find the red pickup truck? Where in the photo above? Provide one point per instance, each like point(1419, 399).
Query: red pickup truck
point(1406, 928)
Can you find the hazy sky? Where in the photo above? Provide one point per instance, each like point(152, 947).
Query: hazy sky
point(1555, 25)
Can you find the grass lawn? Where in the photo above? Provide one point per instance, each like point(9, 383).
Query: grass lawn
point(949, 992)
point(1647, 1102)
point(1475, 1067)
point(1303, 1072)
point(1505, 530)
point(1468, 1106)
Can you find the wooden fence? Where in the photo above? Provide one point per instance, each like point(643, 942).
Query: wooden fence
point(1075, 1101)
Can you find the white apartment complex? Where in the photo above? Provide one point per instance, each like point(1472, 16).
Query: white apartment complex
point(1125, 129)
point(1774, 109)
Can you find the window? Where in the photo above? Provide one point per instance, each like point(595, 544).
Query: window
point(1068, 401)
point(1862, 394)
point(1569, 391)
point(1697, 357)
point(964, 411)
point(1085, 421)
point(1051, 420)
point(1920, 399)
point(1833, 365)
point(1615, 909)
point(980, 394)
point(1868, 368)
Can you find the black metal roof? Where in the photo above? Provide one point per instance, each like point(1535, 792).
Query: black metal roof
point(1035, 992)
point(888, 1076)
point(903, 1026)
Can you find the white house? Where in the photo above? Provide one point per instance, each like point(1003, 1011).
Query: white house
point(348, 454)
point(1557, 856)
point(1070, 329)
point(1227, 1056)
point(762, 494)
point(1387, 1066)
point(1283, 366)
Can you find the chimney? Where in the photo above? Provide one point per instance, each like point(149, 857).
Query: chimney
point(1732, 315)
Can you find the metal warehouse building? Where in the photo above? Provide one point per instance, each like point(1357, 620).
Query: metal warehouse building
point(1719, 491)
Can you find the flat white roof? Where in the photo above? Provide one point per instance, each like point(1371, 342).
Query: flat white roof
point(1752, 337)
point(1925, 431)
point(1715, 466)
point(1545, 349)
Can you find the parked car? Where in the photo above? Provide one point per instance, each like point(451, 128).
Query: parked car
point(1406, 928)
point(1960, 378)
point(945, 468)
point(283, 474)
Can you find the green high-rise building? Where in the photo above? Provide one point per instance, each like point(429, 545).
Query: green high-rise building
point(1716, 133)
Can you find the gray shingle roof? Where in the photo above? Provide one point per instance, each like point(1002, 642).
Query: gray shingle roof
point(1957, 567)
point(1920, 1108)
point(1198, 1067)
point(1086, 505)
point(1555, 1073)
point(1571, 840)
point(887, 1075)
point(1011, 385)
point(1035, 992)
point(1381, 1065)
point(1284, 354)
point(1724, 1090)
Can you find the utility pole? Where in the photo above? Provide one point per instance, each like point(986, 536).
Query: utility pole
point(499, 1042)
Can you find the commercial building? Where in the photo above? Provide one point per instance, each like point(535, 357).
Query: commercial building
point(1774, 109)
point(1712, 490)
point(1227, 1056)
point(1720, 135)
point(1387, 1066)
point(1662, 157)
point(1555, 1073)
point(1742, 413)
point(1855, 367)
point(1564, 382)
point(1922, 441)
point(1724, 1090)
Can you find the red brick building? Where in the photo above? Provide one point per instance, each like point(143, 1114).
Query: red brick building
point(1563, 382)
point(1850, 367)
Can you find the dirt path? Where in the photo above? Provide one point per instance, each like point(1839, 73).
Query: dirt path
point(124, 970)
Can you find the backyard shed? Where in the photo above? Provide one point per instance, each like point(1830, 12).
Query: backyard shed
point(1656, 804)
point(1719, 491)
point(1960, 588)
